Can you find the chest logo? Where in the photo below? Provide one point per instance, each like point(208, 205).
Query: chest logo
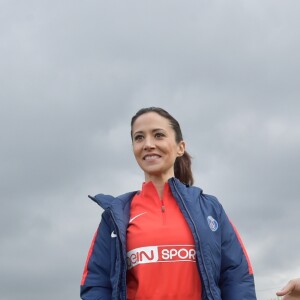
point(212, 223)
point(161, 254)
point(137, 216)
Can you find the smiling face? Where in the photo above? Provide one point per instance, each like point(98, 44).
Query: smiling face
point(155, 147)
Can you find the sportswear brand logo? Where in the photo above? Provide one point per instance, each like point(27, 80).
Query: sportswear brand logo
point(113, 235)
point(161, 254)
point(212, 223)
point(137, 216)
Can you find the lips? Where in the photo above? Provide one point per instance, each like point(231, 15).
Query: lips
point(151, 156)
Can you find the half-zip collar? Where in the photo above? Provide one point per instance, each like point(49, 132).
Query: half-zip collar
point(149, 191)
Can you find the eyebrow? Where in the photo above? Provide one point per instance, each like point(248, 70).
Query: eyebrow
point(153, 130)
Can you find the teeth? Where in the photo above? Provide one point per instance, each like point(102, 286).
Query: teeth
point(151, 157)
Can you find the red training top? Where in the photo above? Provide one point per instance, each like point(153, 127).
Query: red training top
point(161, 253)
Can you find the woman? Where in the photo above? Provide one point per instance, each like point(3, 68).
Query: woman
point(169, 240)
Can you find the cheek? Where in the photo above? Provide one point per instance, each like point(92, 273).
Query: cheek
point(174, 150)
point(135, 150)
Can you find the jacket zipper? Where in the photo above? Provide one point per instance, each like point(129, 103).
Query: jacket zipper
point(121, 255)
point(196, 233)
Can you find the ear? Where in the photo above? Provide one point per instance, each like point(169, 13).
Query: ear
point(181, 148)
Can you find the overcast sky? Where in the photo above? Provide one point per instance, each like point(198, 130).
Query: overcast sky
point(72, 75)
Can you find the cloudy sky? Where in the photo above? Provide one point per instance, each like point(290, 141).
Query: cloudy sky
point(72, 75)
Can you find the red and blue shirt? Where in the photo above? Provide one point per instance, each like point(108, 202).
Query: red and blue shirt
point(161, 255)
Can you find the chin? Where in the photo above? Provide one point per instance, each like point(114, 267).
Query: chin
point(153, 172)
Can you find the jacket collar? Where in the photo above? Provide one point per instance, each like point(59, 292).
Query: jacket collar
point(119, 202)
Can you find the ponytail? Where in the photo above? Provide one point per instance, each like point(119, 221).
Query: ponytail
point(183, 170)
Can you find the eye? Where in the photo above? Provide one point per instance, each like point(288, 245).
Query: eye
point(138, 138)
point(159, 135)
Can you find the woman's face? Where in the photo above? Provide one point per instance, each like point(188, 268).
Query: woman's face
point(154, 146)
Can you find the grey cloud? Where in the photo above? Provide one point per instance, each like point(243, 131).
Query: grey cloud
point(72, 75)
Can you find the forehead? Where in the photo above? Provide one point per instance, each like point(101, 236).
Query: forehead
point(151, 120)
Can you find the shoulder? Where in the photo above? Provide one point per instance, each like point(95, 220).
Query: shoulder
point(111, 202)
point(193, 192)
point(207, 201)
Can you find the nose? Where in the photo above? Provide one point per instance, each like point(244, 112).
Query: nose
point(149, 143)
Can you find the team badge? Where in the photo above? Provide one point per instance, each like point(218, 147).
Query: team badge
point(212, 223)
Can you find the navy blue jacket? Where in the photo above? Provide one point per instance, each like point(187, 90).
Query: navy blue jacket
point(223, 264)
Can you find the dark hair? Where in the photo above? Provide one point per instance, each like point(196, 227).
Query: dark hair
point(182, 165)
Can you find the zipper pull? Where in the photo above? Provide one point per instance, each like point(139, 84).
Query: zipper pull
point(163, 208)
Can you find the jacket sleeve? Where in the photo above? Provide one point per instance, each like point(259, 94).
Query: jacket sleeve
point(95, 283)
point(236, 280)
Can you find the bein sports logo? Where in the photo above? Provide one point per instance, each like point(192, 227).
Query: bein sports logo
point(212, 223)
point(159, 254)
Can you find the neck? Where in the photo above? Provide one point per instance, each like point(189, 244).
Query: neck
point(159, 184)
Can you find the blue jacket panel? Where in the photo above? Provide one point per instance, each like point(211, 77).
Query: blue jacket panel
point(223, 264)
